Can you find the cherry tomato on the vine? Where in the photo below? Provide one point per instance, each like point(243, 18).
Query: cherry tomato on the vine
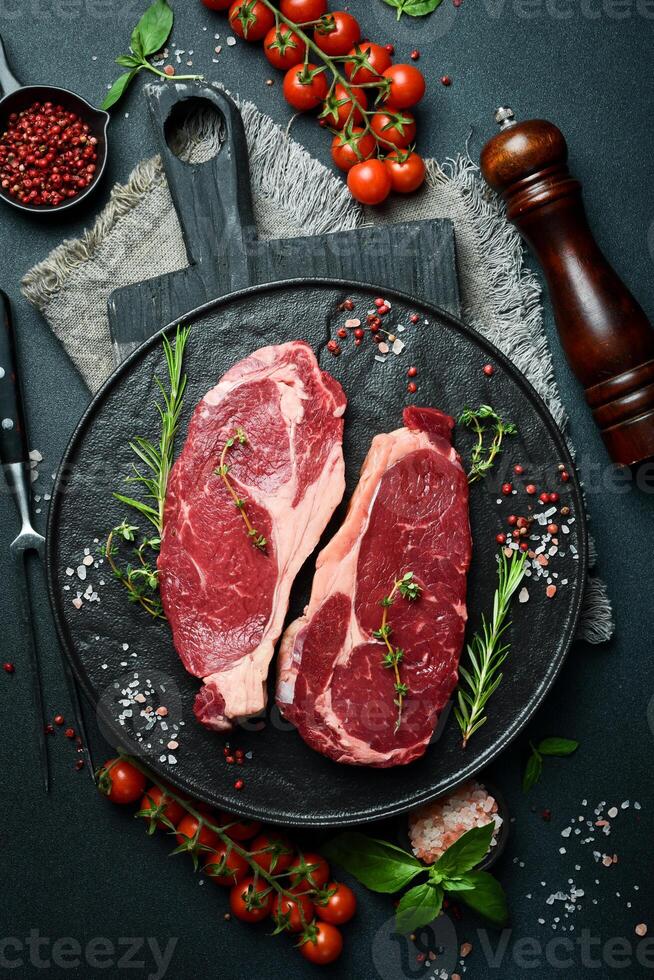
point(337, 34)
point(283, 48)
point(325, 946)
point(305, 87)
point(238, 829)
point(367, 62)
point(309, 871)
point(218, 4)
point(407, 171)
point(345, 155)
point(407, 86)
point(340, 907)
point(369, 182)
point(187, 828)
point(340, 109)
point(303, 11)
point(156, 800)
point(121, 782)
point(251, 19)
point(229, 868)
point(287, 911)
point(251, 900)
point(276, 855)
point(397, 128)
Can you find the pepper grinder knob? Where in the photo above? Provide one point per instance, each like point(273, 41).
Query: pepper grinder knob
point(606, 336)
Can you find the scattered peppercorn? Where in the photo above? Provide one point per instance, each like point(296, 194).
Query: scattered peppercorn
point(489, 370)
point(415, 55)
point(347, 304)
point(412, 387)
point(342, 333)
point(8, 668)
point(58, 719)
point(507, 489)
point(501, 538)
point(414, 318)
point(239, 784)
point(334, 348)
point(446, 80)
point(530, 489)
point(79, 764)
point(412, 372)
point(518, 469)
point(512, 519)
point(565, 476)
point(49, 730)
point(70, 733)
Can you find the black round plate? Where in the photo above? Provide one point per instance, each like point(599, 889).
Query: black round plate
point(113, 644)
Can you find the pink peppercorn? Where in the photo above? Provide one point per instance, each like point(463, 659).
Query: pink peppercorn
point(412, 387)
point(489, 370)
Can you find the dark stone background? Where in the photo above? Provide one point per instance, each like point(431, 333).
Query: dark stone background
point(72, 866)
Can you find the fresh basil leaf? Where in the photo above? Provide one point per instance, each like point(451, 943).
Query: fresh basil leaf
point(153, 29)
point(487, 897)
point(465, 853)
point(136, 42)
point(128, 61)
point(418, 907)
point(532, 772)
point(118, 89)
point(459, 884)
point(558, 746)
point(414, 8)
point(378, 865)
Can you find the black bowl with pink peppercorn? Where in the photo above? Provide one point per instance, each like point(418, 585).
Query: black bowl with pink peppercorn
point(53, 145)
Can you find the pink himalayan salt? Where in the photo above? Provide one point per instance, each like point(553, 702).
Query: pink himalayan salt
point(435, 827)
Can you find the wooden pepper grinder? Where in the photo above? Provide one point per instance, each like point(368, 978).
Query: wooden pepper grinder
point(607, 338)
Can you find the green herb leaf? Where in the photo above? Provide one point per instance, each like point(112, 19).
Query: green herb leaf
point(487, 897)
point(462, 884)
point(532, 772)
point(418, 907)
point(153, 29)
point(558, 746)
point(414, 8)
point(118, 89)
point(466, 852)
point(378, 865)
point(128, 61)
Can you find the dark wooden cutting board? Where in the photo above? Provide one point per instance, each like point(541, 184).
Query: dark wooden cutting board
point(214, 205)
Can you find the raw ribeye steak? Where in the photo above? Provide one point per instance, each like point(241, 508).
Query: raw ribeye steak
point(409, 513)
point(225, 598)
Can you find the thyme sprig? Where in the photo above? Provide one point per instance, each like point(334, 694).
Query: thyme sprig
point(222, 470)
point(408, 589)
point(485, 422)
point(141, 577)
point(488, 651)
point(273, 882)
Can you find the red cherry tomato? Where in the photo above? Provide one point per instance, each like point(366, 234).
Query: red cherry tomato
point(250, 900)
point(154, 799)
point(251, 19)
point(407, 86)
point(326, 947)
point(276, 852)
point(302, 11)
point(367, 62)
point(121, 782)
point(187, 829)
point(398, 128)
point(370, 182)
point(345, 155)
point(339, 109)
point(217, 4)
point(309, 871)
point(305, 87)
point(340, 906)
point(229, 867)
point(238, 829)
point(337, 34)
point(407, 172)
point(287, 910)
point(283, 48)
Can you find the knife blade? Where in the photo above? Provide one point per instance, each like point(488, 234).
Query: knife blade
point(14, 457)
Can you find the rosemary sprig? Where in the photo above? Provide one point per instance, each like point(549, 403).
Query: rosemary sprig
point(409, 589)
point(141, 579)
point(488, 651)
point(484, 421)
point(222, 470)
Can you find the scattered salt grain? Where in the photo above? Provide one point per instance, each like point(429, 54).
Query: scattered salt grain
point(231, 41)
point(523, 595)
point(641, 929)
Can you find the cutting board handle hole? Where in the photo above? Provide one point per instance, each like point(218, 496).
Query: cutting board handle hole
point(195, 131)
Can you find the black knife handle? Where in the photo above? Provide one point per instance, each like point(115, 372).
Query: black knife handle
point(13, 439)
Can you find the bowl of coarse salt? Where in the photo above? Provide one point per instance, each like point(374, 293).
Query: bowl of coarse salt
point(435, 827)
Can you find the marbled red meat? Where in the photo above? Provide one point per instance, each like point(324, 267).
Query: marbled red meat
point(226, 600)
point(409, 513)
